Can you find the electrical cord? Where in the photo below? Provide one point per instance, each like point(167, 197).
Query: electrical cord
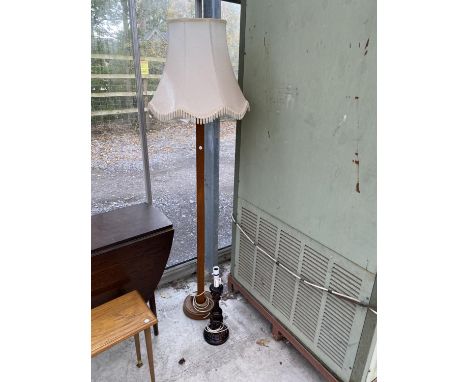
point(204, 307)
point(302, 279)
point(220, 329)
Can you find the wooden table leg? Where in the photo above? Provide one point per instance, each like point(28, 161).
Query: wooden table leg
point(149, 351)
point(152, 302)
point(138, 351)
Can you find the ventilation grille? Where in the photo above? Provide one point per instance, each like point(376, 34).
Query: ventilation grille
point(309, 299)
point(306, 313)
point(335, 329)
point(267, 233)
point(344, 282)
point(267, 236)
point(328, 326)
point(339, 315)
point(283, 292)
point(289, 250)
point(246, 259)
point(249, 222)
point(314, 266)
point(246, 248)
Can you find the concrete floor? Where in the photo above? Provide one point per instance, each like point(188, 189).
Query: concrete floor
point(241, 358)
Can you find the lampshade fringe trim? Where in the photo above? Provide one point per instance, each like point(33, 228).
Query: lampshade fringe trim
point(180, 113)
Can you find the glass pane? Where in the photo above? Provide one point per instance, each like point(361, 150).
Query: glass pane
point(231, 13)
point(171, 145)
point(117, 170)
point(116, 159)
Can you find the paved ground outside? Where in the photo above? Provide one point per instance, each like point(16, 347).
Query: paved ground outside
point(117, 176)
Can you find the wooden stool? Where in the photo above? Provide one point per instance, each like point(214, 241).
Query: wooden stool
point(120, 319)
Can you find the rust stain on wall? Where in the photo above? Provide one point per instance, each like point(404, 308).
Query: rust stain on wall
point(367, 45)
point(356, 162)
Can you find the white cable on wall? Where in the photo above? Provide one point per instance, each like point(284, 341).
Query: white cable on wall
point(279, 264)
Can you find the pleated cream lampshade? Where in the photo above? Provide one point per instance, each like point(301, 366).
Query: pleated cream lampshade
point(198, 80)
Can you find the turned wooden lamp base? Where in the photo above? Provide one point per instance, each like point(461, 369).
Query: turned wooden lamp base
point(200, 310)
point(191, 311)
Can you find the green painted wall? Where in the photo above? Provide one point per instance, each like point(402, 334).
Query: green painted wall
point(310, 77)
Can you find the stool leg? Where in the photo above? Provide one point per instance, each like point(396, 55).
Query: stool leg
point(137, 347)
point(152, 302)
point(149, 351)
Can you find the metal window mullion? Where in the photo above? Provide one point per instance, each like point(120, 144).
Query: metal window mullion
point(198, 8)
point(140, 101)
point(211, 9)
point(240, 77)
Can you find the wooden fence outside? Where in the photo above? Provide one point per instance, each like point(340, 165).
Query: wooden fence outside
point(145, 77)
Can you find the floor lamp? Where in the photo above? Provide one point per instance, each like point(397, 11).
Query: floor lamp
point(198, 82)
